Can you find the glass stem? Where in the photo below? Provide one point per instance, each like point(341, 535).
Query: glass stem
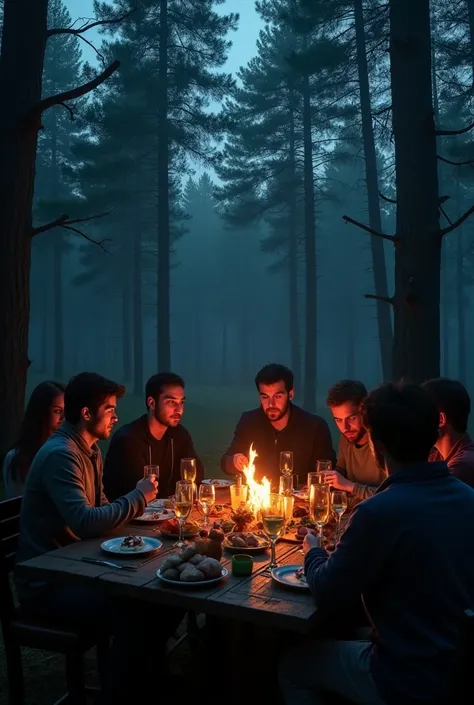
point(338, 529)
point(273, 558)
point(181, 530)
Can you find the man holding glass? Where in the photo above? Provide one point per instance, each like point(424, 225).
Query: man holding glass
point(278, 425)
point(356, 471)
point(155, 439)
point(406, 553)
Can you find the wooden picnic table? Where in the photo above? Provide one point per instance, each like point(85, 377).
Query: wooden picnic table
point(257, 600)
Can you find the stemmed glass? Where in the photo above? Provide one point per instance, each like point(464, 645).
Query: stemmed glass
point(189, 471)
point(286, 462)
point(319, 506)
point(273, 520)
point(338, 506)
point(207, 498)
point(183, 502)
point(322, 467)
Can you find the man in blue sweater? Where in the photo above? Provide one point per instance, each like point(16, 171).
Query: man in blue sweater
point(407, 552)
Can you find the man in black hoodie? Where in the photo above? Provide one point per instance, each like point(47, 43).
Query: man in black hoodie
point(156, 438)
point(278, 425)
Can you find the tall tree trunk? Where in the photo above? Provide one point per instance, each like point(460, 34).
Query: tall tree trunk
point(163, 287)
point(460, 291)
point(310, 252)
point(126, 321)
point(293, 254)
point(418, 252)
point(470, 14)
point(138, 381)
point(58, 318)
point(21, 69)
point(384, 314)
point(44, 342)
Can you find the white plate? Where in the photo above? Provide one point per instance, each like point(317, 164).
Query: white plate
point(113, 546)
point(286, 575)
point(191, 583)
point(218, 483)
point(153, 515)
point(263, 544)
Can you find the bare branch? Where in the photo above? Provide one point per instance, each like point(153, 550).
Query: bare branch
point(387, 299)
point(445, 214)
point(100, 243)
point(392, 238)
point(88, 25)
point(469, 162)
point(382, 110)
point(73, 93)
point(64, 221)
point(386, 198)
point(457, 222)
point(70, 110)
point(462, 131)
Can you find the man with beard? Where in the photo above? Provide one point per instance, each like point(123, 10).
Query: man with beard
point(278, 425)
point(156, 438)
point(356, 470)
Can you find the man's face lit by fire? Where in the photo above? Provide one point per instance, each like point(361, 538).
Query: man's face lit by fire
point(169, 407)
point(275, 400)
point(349, 421)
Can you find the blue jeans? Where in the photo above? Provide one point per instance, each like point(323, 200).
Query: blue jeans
point(139, 630)
point(318, 667)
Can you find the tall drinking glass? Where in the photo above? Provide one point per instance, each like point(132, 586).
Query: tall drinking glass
point(286, 484)
point(338, 506)
point(238, 495)
point(206, 499)
point(286, 462)
point(322, 467)
point(188, 472)
point(273, 520)
point(152, 470)
point(319, 506)
point(183, 502)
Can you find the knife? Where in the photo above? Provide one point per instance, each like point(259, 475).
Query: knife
point(109, 564)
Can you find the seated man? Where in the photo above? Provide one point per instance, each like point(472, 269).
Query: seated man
point(454, 445)
point(356, 470)
point(406, 553)
point(156, 438)
point(63, 503)
point(278, 425)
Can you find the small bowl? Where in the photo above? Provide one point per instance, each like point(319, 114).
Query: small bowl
point(242, 565)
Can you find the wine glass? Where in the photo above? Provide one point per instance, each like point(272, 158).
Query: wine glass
point(183, 502)
point(338, 506)
point(319, 506)
point(286, 462)
point(207, 498)
point(188, 472)
point(322, 467)
point(273, 520)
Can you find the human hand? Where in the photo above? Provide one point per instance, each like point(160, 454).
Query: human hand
point(338, 481)
point(240, 461)
point(311, 540)
point(148, 486)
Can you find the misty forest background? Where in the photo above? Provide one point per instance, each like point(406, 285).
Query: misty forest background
point(181, 217)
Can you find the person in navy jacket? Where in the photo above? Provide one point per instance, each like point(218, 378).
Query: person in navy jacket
point(407, 552)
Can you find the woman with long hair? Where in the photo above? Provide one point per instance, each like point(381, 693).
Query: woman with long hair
point(44, 414)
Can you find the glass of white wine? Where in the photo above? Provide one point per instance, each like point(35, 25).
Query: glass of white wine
point(338, 506)
point(206, 499)
point(273, 520)
point(189, 472)
point(319, 506)
point(183, 502)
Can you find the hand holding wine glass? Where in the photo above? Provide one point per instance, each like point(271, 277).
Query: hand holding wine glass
point(206, 499)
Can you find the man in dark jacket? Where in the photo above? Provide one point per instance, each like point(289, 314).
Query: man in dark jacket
point(406, 552)
point(278, 425)
point(156, 438)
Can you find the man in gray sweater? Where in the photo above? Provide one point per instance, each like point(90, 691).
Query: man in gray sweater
point(64, 502)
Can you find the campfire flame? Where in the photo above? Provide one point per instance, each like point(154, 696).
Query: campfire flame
point(258, 492)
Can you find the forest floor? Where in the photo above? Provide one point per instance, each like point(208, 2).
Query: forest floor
point(210, 416)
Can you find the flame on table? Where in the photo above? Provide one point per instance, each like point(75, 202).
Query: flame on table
point(258, 492)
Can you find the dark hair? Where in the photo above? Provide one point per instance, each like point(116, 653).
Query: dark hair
point(88, 389)
point(404, 418)
point(35, 427)
point(273, 373)
point(344, 391)
point(155, 385)
point(452, 399)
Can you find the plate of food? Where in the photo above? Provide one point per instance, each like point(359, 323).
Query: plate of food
point(191, 568)
point(131, 545)
point(151, 515)
point(238, 542)
point(218, 482)
point(170, 528)
point(291, 576)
